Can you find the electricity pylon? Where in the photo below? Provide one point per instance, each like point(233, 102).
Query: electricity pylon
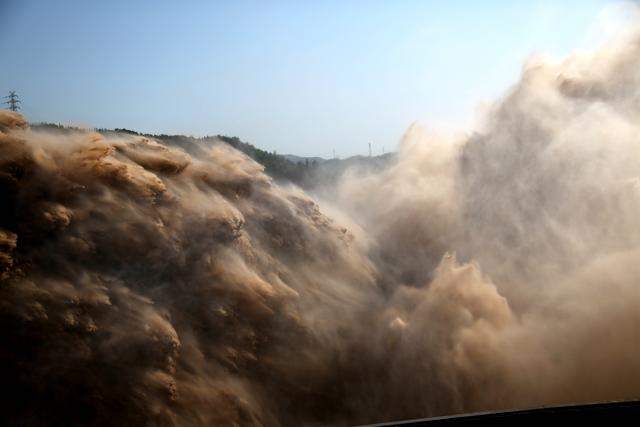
point(13, 101)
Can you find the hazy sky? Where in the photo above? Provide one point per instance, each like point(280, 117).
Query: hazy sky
point(301, 77)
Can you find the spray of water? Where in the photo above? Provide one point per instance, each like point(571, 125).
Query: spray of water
point(141, 284)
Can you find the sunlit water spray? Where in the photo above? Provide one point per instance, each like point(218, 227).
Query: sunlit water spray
point(493, 270)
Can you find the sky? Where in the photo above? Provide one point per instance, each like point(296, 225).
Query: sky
point(298, 77)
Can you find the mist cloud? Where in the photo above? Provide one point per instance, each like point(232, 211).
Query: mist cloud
point(144, 285)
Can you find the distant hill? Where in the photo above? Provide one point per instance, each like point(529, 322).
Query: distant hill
point(277, 166)
point(329, 172)
point(307, 172)
point(298, 159)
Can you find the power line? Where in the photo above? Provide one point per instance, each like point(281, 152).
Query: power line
point(13, 101)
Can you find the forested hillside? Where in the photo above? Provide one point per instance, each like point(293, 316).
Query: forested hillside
point(305, 172)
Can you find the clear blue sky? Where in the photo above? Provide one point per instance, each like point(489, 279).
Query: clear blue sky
point(301, 77)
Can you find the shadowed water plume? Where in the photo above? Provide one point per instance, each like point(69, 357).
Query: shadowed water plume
point(145, 285)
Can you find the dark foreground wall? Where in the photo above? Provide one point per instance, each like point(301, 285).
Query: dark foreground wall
point(609, 414)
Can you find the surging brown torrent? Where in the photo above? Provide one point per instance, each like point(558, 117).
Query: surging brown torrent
point(145, 285)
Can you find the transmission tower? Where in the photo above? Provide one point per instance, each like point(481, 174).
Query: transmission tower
point(12, 101)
